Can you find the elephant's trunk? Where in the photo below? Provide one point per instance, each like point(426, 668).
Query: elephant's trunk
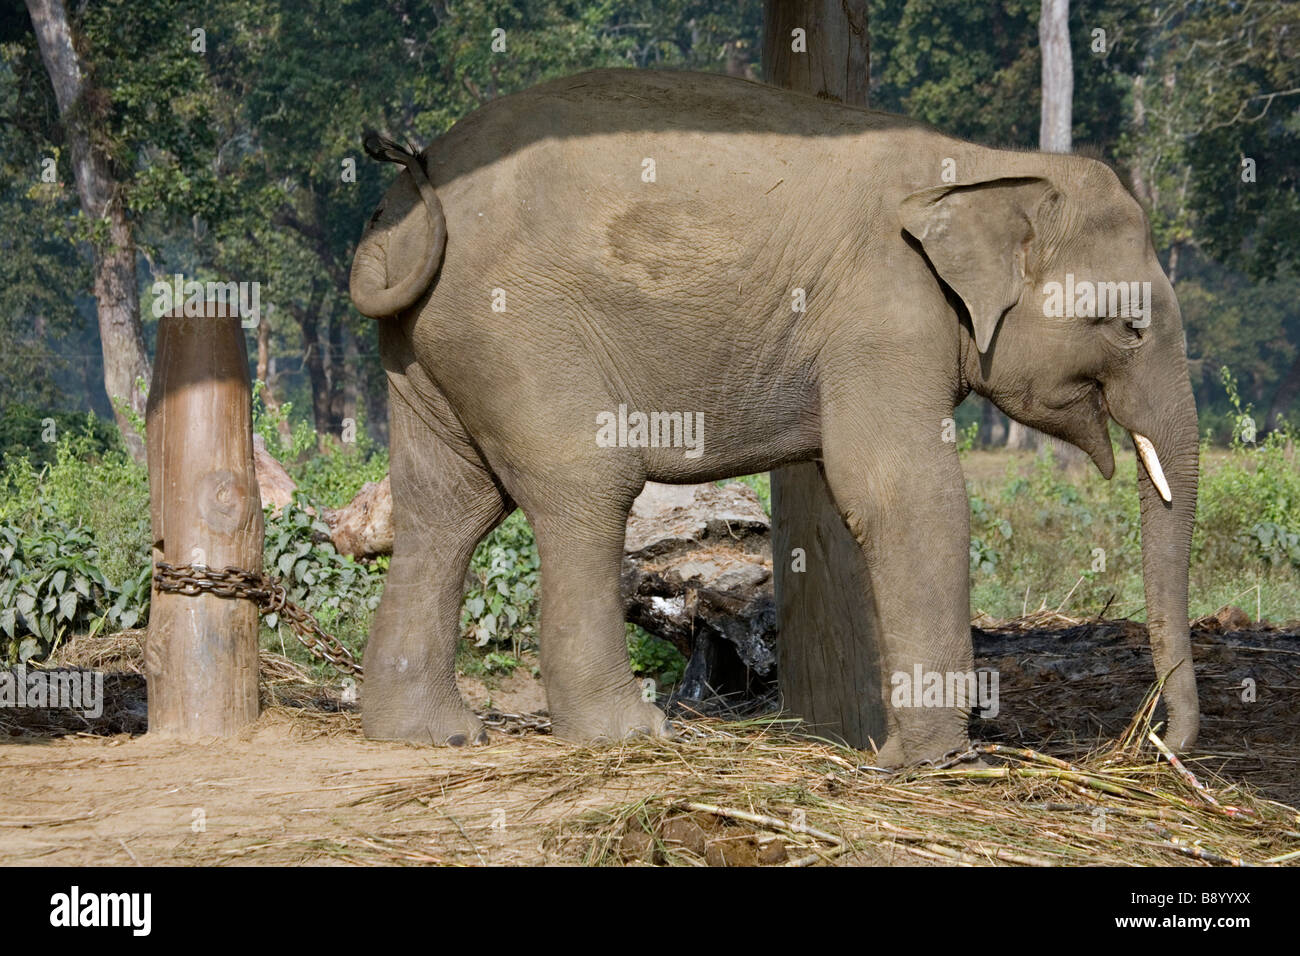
point(1168, 513)
point(368, 282)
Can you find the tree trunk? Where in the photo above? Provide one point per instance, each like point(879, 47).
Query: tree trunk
point(126, 366)
point(1287, 391)
point(309, 318)
point(1056, 118)
point(993, 429)
point(266, 375)
point(828, 666)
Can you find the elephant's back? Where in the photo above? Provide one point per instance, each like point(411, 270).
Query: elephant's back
point(645, 107)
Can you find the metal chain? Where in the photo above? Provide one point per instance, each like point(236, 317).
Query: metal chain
point(516, 725)
point(270, 596)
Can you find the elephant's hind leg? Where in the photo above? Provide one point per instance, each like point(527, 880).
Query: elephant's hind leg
point(443, 505)
point(590, 689)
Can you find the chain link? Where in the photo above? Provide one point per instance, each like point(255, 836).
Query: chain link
point(270, 596)
point(517, 725)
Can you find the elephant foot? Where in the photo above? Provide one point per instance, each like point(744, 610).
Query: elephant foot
point(449, 726)
point(626, 715)
point(1182, 731)
point(895, 754)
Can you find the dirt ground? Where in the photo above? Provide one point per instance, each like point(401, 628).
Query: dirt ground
point(303, 786)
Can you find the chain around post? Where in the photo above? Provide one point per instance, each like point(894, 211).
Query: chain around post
point(270, 596)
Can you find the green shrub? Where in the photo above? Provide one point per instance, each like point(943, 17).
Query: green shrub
point(654, 657)
point(53, 586)
point(32, 433)
point(501, 602)
point(75, 534)
point(333, 477)
point(340, 593)
point(327, 472)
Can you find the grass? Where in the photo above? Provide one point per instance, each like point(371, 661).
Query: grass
point(737, 793)
point(1068, 540)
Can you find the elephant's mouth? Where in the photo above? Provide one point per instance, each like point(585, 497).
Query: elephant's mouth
point(1089, 423)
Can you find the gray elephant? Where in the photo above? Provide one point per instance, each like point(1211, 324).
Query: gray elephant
point(574, 274)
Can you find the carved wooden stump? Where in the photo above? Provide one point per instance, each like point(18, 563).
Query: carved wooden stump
point(201, 652)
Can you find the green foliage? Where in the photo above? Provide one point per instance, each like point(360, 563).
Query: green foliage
point(341, 593)
point(500, 604)
point(1249, 507)
point(334, 477)
point(53, 586)
point(1035, 533)
point(91, 484)
point(24, 430)
point(327, 472)
point(654, 657)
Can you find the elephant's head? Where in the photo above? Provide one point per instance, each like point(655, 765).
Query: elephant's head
point(1073, 322)
point(402, 247)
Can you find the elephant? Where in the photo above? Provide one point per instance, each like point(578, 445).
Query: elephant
point(573, 273)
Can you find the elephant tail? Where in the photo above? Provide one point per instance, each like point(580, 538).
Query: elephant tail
point(368, 282)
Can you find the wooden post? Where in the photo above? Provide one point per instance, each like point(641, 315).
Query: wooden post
point(828, 660)
point(201, 653)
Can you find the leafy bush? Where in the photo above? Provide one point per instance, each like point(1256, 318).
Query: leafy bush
point(654, 657)
point(33, 434)
point(75, 543)
point(341, 593)
point(1075, 534)
point(327, 473)
point(500, 604)
point(333, 477)
point(52, 586)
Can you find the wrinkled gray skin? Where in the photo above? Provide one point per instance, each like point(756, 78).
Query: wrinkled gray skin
point(675, 295)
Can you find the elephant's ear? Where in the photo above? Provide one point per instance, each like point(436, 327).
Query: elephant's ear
point(977, 235)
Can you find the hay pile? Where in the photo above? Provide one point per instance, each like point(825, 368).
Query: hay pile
point(751, 793)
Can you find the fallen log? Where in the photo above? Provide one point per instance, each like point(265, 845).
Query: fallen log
point(697, 571)
point(363, 527)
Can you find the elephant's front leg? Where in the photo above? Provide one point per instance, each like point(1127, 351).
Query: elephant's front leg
point(899, 487)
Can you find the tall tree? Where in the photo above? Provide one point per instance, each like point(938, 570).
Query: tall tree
point(125, 363)
point(1055, 126)
point(829, 668)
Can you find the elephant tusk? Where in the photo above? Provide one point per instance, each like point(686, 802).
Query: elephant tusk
point(1151, 461)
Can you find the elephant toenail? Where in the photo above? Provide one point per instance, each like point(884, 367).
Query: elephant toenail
point(481, 739)
point(457, 740)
